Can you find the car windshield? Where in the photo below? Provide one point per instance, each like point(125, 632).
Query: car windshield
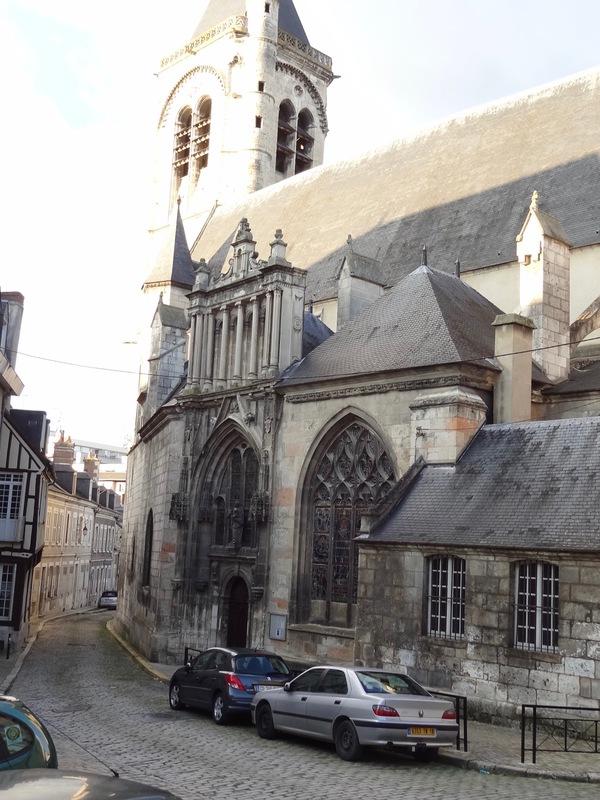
point(261, 665)
point(388, 682)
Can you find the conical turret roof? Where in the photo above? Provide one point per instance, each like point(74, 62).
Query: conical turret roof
point(174, 263)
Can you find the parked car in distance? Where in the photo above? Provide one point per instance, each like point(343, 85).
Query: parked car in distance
point(224, 680)
point(108, 599)
point(357, 707)
point(24, 740)
point(39, 784)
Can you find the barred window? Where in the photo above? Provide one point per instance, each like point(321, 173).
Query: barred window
point(11, 489)
point(7, 581)
point(446, 597)
point(536, 606)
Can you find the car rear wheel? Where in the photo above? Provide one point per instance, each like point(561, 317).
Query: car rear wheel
point(219, 710)
point(175, 697)
point(264, 722)
point(346, 740)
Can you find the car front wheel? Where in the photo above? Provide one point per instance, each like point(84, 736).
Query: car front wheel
point(219, 709)
point(264, 722)
point(346, 740)
point(175, 697)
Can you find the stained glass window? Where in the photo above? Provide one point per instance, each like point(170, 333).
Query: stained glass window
point(353, 474)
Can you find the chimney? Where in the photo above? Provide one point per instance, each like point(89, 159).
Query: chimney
point(64, 451)
point(444, 422)
point(90, 466)
point(512, 393)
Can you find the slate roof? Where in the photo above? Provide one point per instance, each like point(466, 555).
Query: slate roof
point(220, 10)
point(579, 380)
point(463, 188)
point(521, 485)
point(428, 318)
point(314, 332)
point(174, 263)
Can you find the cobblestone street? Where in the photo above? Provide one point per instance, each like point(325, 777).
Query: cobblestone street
point(104, 711)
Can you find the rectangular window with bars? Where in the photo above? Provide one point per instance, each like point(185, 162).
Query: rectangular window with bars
point(536, 606)
point(446, 597)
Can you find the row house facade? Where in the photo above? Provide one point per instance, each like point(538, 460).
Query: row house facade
point(82, 536)
point(25, 476)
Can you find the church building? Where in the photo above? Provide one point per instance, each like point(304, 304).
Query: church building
point(368, 425)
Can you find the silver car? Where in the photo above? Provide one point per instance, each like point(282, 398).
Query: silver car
point(356, 707)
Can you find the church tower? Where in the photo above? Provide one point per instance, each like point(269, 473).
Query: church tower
point(243, 105)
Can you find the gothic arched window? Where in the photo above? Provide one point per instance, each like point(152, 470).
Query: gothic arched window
point(201, 138)
point(235, 487)
point(352, 475)
point(304, 141)
point(181, 149)
point(286, 132)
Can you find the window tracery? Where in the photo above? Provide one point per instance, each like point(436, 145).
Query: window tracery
point(352, 475)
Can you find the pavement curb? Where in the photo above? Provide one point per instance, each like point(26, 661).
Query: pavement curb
point(145, 665)
point(521, 771)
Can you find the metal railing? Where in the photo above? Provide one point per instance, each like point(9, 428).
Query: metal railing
point(186, 653)
point(460, 706)
point(574, 731)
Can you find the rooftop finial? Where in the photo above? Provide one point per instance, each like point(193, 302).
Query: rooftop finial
point(424, 256)
point(534, 201)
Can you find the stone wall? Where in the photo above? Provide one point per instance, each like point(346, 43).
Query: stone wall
point(483, 665)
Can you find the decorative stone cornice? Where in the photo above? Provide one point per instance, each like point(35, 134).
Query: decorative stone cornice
point(237, 24)
point(415, 384)
point(305, 49)
point(310, 88)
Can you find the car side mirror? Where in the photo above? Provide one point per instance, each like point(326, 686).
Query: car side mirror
point(287, 687)
point(188, 666)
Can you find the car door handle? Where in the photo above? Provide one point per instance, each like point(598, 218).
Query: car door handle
point(304, 699)
point(336, 702)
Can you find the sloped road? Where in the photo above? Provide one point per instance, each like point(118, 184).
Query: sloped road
point(104, 711)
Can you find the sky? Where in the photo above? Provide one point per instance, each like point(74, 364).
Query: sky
point(79, 110)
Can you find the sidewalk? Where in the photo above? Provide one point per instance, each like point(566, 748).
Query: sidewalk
point(492, 748)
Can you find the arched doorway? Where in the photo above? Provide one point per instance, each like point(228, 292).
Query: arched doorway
point(237, 617)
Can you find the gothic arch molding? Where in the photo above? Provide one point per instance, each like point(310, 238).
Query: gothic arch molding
point(311, 89)
point(349, 468)
point(181, 83)
point(215, 450)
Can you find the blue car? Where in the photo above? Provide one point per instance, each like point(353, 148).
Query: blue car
point(224, 680)
point(24, 740)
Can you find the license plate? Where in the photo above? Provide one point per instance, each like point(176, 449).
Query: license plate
point(421, 731)
point(260, 687)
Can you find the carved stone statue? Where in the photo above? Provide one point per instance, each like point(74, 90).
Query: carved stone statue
point(237, 524)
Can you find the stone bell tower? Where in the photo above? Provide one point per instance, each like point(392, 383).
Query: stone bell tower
point(242, 105)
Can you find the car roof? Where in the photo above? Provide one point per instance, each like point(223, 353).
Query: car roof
point(56, 784)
